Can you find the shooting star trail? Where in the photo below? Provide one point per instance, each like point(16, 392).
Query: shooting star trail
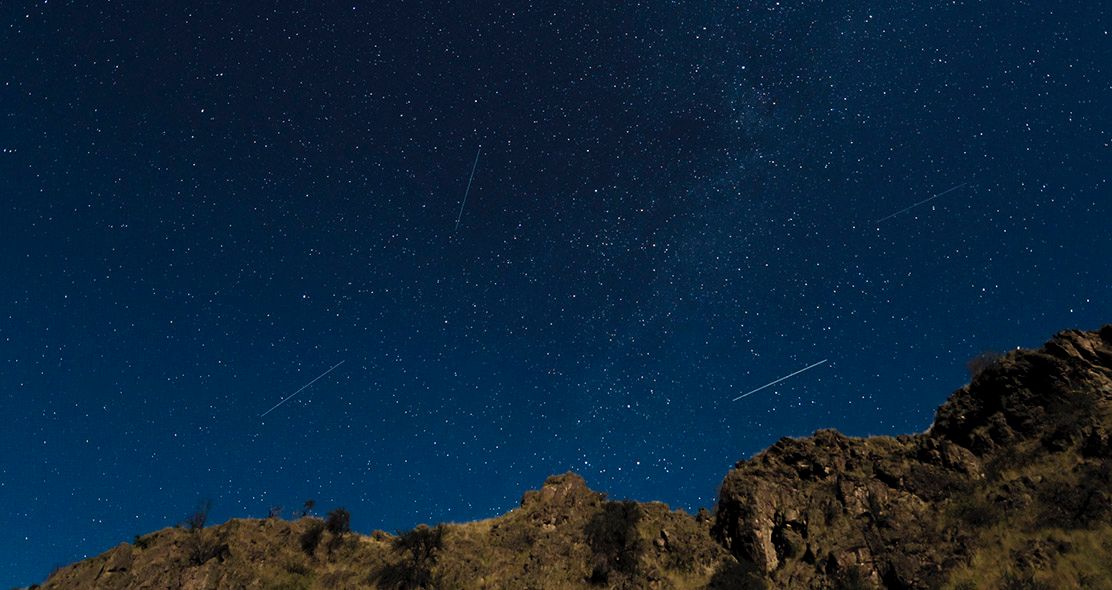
point(303, 387)
point(906, 209)
point(468, 191)
point(780, 379)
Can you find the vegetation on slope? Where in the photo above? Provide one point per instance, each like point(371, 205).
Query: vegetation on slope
point(563, 536)
point(1010, 488)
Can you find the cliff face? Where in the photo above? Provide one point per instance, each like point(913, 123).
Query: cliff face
point(1010, 488)
point(1012, 483)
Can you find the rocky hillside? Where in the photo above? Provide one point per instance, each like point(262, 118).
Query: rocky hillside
point(563, 536)
point(1010, 488)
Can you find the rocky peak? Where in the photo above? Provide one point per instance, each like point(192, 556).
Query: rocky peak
point(1057, 395)
point(561, 499)
point(566, 489)
point(1026, 443)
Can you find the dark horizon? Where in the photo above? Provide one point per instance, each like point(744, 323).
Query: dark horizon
point(205, 208)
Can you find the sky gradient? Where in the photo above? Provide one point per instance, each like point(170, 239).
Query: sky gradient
point(204, 208)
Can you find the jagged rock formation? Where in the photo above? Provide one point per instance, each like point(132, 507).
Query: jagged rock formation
point(1010, 488)
point(1015, 474)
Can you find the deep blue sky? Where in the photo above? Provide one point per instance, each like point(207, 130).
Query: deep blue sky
point(203, 208)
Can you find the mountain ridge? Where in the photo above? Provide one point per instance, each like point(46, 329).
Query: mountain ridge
point(1009, 487)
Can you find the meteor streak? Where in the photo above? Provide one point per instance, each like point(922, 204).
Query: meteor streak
point(303, 387)
point(468, 191)
point(905, 209)
point(780, 379)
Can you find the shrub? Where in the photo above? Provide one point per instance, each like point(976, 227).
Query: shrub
point(976, 510)
point(197, 520)
point(275, 512)
point(614, 541)
point(201, 547)
point(1070, 505)
point(422, 545)
point(298, 568)
point(310, 539)
point(307, 508)
point(981, 362)
point(338, 522)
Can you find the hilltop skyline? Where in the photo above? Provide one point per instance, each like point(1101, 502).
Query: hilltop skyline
point(206, 208)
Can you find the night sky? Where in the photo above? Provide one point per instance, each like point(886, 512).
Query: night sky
point(204, 208)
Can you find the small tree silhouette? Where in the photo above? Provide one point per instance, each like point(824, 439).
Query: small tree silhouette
point(197, 520)
point(423, 545)
point(275, 512)
point(308, 507)
point(201, 547)
point(338, 522)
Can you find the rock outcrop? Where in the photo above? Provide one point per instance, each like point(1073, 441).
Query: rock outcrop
point(1010, 488)
point(1022, 451)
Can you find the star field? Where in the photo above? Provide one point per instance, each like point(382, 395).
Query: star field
point(202, 208)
